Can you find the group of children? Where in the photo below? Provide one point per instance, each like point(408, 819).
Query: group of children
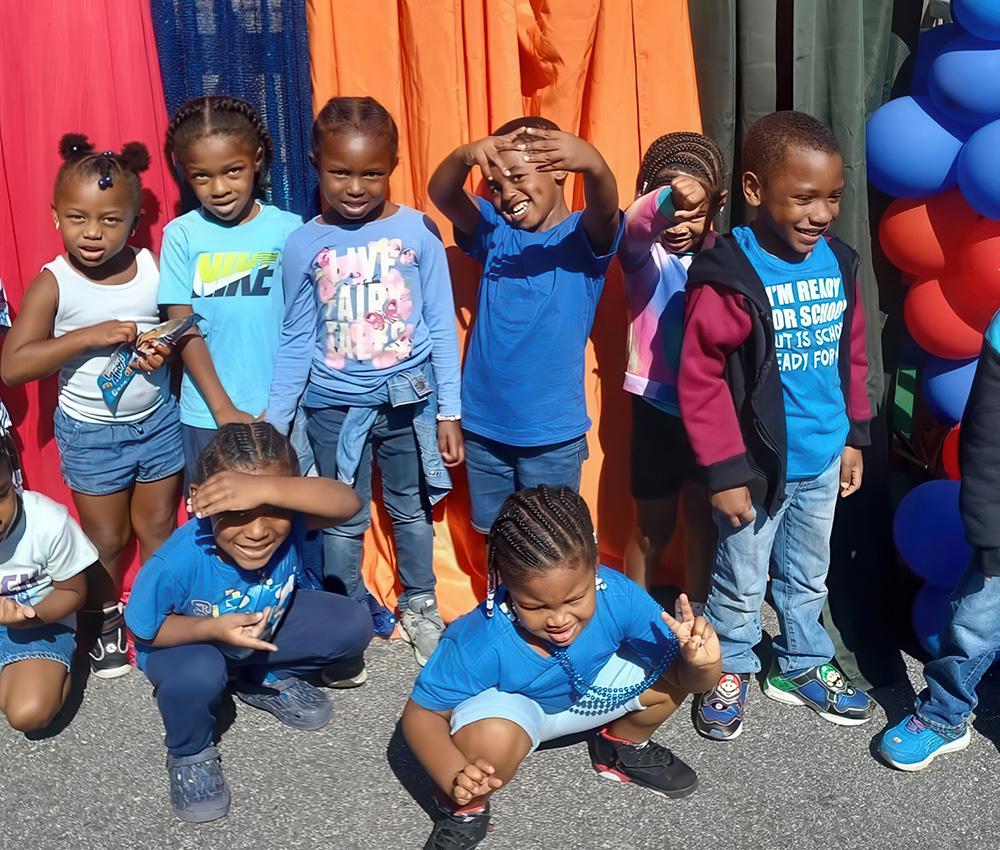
point(747, 369)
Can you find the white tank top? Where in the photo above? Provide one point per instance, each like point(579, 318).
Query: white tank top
point(82, 304)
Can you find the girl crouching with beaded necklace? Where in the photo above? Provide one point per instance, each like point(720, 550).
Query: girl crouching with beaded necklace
point(562, 646)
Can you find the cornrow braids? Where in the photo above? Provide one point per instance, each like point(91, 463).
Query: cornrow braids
point(689, 153)
point(771, 138)
point(363, 116)
point(82, 162)
point(538, 530)
point(245, 447)
point(213, 115)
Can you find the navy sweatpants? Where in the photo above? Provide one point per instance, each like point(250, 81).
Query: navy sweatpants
point(318, 629)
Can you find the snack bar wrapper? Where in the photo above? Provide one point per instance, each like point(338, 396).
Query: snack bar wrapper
point(121, 367)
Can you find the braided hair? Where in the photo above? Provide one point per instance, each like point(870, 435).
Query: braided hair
point(363, 116)
point(688, 153)
point(538, 529)
point(245, 447)
point(771, 138)
point(203, 117)
point(82, 162)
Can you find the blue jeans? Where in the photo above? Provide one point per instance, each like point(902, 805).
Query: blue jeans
point(318, 629)
point(394, 444)
point(495, 470)
point(795, 545)
point(969, 643)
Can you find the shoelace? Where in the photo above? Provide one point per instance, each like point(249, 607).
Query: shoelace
point(452, 834)
point(650, 755)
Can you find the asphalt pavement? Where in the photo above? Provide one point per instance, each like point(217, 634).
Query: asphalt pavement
point(97, 780)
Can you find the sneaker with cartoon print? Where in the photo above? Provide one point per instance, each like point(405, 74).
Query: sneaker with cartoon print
point(825, 690)
point(718, 713)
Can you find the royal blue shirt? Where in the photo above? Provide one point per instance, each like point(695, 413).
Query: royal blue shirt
point(188, 576)
point(479, 652)
point(231, 276)
point(807, 307)
point(523, 383)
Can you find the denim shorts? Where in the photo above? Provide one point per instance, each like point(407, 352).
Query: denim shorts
point(495, 470)
point(619, 672)
point(53, 641)
point(101, 458)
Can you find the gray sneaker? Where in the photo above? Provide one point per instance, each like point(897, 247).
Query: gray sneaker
point(198, 790)
point(421, 626)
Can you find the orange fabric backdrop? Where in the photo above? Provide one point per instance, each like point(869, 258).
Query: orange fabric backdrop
point(617, 72)
point(69, 67)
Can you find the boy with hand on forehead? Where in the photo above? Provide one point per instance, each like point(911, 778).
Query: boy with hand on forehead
point(773, 397)
point(523, 404)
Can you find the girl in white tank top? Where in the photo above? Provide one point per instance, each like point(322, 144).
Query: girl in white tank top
point(121, 462)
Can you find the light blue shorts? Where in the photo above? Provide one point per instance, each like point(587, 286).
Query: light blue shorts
point(531, 717)
point(52, 641)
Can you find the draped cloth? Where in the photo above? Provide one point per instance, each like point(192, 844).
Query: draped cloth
point(617, 72)
point(69, 67)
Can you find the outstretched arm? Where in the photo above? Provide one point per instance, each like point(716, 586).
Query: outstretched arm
point(554, 150)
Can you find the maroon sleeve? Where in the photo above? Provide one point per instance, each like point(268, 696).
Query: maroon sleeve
point(859, 411)
point(715, 325)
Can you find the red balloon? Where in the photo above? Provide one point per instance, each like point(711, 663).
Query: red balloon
point(935, 326)
point(923, 235)
point(949, 454)
point(975, 295)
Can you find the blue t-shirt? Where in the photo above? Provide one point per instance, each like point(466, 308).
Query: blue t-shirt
point(479, 652)
point(363, 303)
point(232, 277)
point(187, 576)
point(523, 383)
point(807, 306)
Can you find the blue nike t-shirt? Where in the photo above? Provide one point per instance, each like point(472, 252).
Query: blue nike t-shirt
point(188, 576)
point(807, 306)
point(231, 276)
point(523, 383)
point(479, 652)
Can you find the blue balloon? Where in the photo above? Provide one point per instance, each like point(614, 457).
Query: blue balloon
point(980, 17)
point(978, 174)
point(928, 533)
point(946, 385)
point(912, 148)
point(965, 80)
point(931, 43)
point(930, 613)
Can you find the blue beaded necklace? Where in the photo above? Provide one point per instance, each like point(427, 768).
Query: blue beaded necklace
point(597, 699)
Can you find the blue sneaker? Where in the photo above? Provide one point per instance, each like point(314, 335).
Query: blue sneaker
point(383, 620)
point(718, 713)
point(294, 702)
point(825, 690)
point(910, 745)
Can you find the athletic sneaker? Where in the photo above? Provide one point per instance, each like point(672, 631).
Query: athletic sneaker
point(648, 765)
point(294, 702)
point(460, 831)
point(383, 620)
point(346, 673)
point(910, 745)
point(718, 713)
point(825, 690)
point(109, 656)
point(198, 790)
point(421, 626)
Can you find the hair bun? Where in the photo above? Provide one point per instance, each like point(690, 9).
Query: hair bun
point(74, 145)
point(135, 157)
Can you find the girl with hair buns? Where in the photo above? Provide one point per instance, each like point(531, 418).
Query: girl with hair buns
point(120, 459)
point(678, 193)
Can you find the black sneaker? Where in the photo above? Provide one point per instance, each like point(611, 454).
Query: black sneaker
point(109, 656)
point(460, 831)
point(649, 765)
point(718, 713)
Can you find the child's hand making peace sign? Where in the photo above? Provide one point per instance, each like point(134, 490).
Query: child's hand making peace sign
point(698, 642)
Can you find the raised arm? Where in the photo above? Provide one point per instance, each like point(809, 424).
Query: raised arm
point(31, 352)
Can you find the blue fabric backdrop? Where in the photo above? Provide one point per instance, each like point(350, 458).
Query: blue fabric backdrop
point(254, 49)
